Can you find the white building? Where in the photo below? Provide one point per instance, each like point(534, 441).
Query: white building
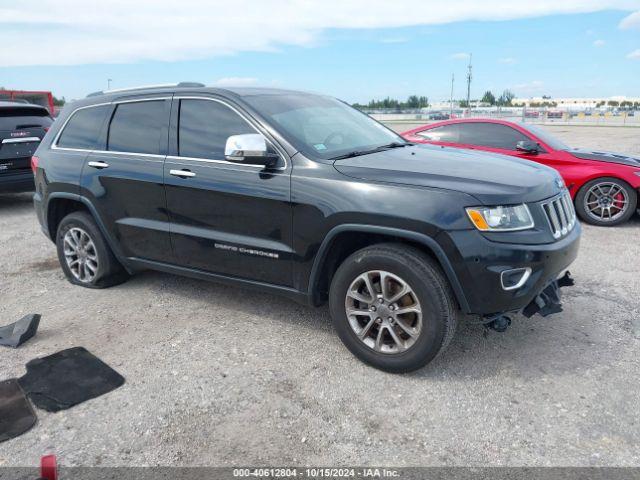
point(574, 103)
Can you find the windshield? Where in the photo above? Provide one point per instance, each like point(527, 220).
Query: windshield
point(547, 138)
point(322, 127)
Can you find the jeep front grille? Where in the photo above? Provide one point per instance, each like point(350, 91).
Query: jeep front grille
point(561, 215)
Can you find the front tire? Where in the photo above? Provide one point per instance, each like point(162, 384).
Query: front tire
point(606, 202)
point(84, 255)
point(392, 307)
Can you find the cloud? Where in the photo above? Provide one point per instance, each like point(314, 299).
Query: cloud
point(507, 60)
point(460, 56)
point(635, 55)
point(72, 32)
point(236, 82)
point(599, 43)
point(631, 22)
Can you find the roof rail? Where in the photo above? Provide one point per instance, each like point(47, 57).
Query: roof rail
point(144, 87)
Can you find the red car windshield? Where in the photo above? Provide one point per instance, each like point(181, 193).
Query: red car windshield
point(550, 140)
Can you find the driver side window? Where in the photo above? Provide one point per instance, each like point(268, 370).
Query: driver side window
point(204, 126)
point(491, 135)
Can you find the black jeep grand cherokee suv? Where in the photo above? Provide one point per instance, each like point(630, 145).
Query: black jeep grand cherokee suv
point(303, 195)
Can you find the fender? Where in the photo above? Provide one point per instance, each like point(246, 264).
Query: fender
point(425, 240)
point(94, 213)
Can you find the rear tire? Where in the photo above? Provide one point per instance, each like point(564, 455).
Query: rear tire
point(84, 255)
point(598, 190)
point(408, 340)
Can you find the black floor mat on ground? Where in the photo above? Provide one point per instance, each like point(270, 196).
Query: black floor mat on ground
point(16, 414)
point(67, 378)
point(17, 333)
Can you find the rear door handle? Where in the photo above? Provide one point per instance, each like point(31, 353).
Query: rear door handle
point(182, 173)
point(99, 164)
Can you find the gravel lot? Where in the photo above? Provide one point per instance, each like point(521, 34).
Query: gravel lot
point(224, 376)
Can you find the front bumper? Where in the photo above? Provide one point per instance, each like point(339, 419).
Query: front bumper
point(479, 263)
point(548, 301)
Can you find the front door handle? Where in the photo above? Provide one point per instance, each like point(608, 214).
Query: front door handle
point(99, 164)
point(182, 173)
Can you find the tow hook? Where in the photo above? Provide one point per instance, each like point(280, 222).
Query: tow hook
point(548, 301)
point(498, 323)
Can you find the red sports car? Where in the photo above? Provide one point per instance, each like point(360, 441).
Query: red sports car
point(604, 186)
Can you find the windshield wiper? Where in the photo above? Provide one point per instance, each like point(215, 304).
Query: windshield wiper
point(395, 145)
point(357, 153)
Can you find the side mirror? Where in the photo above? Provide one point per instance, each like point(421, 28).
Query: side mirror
point(527, 146)
point(250, 149)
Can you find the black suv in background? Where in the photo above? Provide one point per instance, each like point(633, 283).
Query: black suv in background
point(22, 126)
point(302, 195)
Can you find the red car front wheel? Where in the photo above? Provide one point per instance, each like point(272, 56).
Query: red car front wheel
point(606, 201)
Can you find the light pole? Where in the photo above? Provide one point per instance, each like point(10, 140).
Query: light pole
point(469, 76)
point(109, 83)
point(451, 97)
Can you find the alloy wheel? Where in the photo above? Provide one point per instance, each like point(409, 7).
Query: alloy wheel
point(606, 201)
point(384, 312)
point(80, 254)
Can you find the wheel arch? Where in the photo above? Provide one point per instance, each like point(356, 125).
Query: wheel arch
point(345, 239)
point(60, 204)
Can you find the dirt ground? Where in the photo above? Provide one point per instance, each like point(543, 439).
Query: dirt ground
point(224, 376)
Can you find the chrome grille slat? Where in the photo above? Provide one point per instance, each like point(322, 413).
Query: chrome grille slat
point(560, 214)
point(555, 223)
point(570, 209)
point(563, 219)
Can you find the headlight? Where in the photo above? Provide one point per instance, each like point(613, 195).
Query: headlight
point(501, 219)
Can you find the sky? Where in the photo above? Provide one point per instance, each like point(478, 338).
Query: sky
point(352, 49)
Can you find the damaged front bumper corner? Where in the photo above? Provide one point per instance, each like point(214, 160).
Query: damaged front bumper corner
point(549, 301)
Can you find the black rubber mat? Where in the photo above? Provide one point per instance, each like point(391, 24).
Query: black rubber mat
point(17, 333)
point(67, 378)
point(16, 414)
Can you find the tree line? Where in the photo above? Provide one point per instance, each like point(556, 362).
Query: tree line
point(503, 100)
point(413, 101)
point(416, 101)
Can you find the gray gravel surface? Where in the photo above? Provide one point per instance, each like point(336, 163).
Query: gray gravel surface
point(225, 376)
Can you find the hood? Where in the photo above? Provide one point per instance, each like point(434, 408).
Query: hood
point(608, 157)
point(492, 179)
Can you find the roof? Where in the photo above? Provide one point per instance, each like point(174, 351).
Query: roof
point(185, 88)
point(252, 91)
point(194, 87)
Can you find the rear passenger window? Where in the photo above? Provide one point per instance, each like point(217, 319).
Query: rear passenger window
point(204, 127)
point(83, 128)
point(136, 127)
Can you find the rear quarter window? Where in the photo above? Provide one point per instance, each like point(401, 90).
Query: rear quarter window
point(446, 133)
point(83, 128)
